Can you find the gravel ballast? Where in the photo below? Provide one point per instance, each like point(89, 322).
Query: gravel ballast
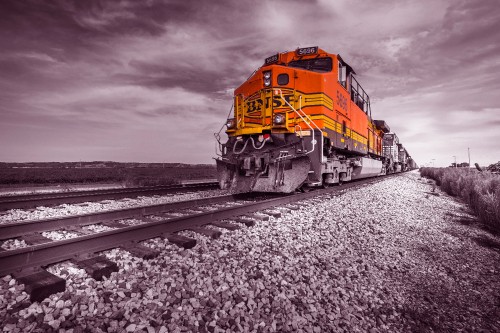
point(389, 257)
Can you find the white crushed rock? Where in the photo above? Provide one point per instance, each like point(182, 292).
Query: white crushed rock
point(14, 243)
point(67, 270)
point(191, 211)
point(131, 222)
point(17, 215)
point(385, 258)
point(178, 214)
point(97, 228)
point(156, 243)
point(210, 208)
point(58, 235)
point(156, 217)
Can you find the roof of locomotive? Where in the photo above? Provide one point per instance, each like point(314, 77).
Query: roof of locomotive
point(382, 125)
point(283, 58)
point(391, 136)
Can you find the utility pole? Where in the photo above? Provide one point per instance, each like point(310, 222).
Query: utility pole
point(468, 153)
point(455, 160)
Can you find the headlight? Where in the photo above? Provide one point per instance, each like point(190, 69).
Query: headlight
point(267, 78)
point(279, 119)
point(230, 123)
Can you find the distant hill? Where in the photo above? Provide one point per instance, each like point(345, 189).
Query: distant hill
point(99, 164)
point(129, 174)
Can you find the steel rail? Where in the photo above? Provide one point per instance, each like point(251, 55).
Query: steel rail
point(52, 252)
point(35, 200)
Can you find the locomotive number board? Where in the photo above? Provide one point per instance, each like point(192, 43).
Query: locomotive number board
point(272, 59)
point(307, 50)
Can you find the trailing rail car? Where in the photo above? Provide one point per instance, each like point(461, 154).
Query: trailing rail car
point(303, 120)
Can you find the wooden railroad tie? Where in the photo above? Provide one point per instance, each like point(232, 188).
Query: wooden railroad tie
point(181, 241)
point(141, 251)
point(40, 284)
point(226, 225)
point(214, 234)
point(97, 267)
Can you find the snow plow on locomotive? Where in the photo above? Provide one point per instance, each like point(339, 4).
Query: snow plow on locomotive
point(302, 120)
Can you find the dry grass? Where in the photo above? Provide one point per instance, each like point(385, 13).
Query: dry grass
point(143, 176)
point(480, 190)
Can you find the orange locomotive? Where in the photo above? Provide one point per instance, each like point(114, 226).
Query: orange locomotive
point(301, 120)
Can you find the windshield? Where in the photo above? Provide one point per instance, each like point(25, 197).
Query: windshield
point(321, 65)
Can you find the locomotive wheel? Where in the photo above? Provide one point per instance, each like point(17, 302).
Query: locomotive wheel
point(325, 184)
point(304, 188)
point(342, 174)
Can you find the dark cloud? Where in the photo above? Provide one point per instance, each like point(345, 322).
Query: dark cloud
point(62, 21)
point(163, 71)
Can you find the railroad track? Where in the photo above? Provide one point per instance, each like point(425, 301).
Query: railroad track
point(50, 199)
point(166, 220)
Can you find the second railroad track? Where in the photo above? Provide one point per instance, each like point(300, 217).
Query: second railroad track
point(28, 201)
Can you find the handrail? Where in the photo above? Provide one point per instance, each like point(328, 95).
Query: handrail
point(217, 135)
point(307, 122)
point(364, 96)
point(308, 118)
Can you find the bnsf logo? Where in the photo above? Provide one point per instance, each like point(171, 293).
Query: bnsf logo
point(342, 101)
point(256, 104)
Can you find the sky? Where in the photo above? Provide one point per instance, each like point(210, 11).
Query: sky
point(151, 81)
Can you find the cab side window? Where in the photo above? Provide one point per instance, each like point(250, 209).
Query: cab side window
point(342, 75)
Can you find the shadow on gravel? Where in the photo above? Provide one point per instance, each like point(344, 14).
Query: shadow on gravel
point(427, 251)
point(487, 243)
point(438, 304)
point(444, 296)
point(470, 221)
point(463, 220)
point(421, 320)
point(454, 233)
